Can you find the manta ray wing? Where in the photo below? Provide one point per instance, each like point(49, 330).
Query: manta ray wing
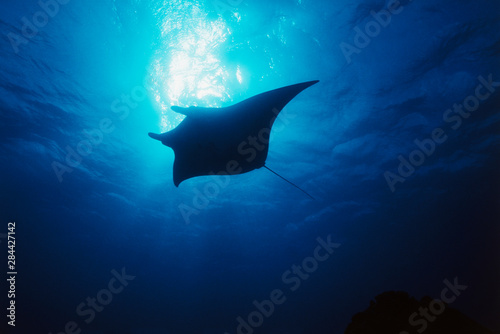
point(226, 141)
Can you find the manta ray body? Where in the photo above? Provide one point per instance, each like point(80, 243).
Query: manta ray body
point(226, 141)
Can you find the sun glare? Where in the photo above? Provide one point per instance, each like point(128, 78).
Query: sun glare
point(187, 68)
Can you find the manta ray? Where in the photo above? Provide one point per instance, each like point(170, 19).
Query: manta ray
point(227, 141)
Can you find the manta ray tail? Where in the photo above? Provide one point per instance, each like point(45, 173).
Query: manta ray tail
point(293, 184)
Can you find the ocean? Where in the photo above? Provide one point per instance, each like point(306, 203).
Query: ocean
point(397, 144)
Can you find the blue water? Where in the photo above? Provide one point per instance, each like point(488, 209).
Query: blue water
point(92, 194)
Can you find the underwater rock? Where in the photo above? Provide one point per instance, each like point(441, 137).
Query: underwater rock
point(395, 312)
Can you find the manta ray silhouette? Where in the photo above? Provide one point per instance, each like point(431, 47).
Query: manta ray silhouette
point(227, 141)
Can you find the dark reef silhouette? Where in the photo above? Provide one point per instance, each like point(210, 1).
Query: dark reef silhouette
point(391, 311)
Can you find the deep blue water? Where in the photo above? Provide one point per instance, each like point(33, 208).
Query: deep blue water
point(110, 70)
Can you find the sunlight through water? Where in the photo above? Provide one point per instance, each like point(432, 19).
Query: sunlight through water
point(186, 68)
